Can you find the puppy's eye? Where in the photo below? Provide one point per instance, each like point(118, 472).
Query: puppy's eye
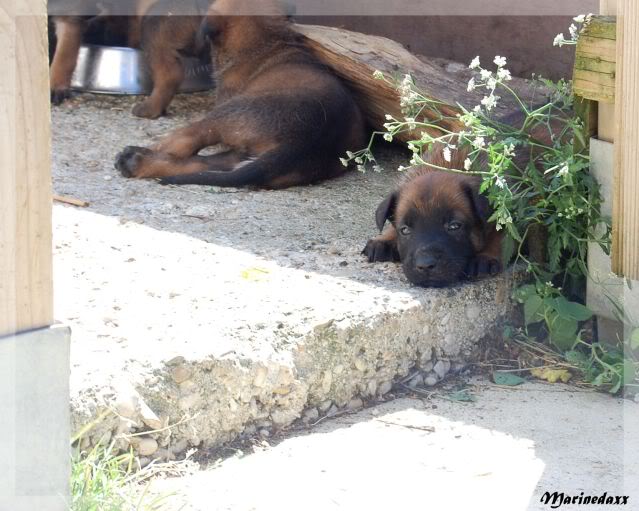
point(454, 226)
point(405, 230)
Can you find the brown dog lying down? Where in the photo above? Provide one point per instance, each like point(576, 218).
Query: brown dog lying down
point(162, 38)
point(438, 226)
point(284, 117)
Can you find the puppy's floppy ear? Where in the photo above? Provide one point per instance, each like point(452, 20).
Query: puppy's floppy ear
point(479, 202)
point(386, 210)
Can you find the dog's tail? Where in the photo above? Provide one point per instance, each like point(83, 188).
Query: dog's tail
point(279, 168)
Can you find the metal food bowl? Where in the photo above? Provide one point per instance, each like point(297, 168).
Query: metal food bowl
point(118, 70)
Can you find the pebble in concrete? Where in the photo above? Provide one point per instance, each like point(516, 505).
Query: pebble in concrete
point(146, 446)
point(441, 368)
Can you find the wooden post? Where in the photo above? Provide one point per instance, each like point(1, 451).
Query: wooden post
point(26, 300)
point(625, 248)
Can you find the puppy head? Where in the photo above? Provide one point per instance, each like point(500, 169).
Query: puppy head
point(239, 20)
point(440, 219)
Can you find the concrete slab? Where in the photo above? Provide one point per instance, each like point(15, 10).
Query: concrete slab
point(227, 310)
point(501, 453)
point(34, 423)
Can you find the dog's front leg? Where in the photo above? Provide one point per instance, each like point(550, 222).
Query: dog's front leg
point(69, 31)
point(383, 247)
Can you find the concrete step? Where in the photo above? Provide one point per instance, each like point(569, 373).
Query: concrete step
point(500, 453)
point(231, 311)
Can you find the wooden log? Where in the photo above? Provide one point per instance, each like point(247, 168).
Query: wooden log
point(26, 298)
point(595, 60)
point(625, 247)
point(355, 57)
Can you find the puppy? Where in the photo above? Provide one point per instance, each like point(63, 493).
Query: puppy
point(283, 116)
point(163, 39)
point(439, 227)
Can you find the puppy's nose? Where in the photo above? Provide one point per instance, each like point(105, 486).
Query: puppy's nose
point(425, 262)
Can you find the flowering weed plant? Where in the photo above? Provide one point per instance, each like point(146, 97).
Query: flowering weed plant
point(540, 189)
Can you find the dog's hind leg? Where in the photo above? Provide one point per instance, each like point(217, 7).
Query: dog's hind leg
point(140, 162)
point(188, 141)
point(274, 170)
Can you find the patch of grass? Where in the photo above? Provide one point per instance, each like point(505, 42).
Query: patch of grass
point(102, 480)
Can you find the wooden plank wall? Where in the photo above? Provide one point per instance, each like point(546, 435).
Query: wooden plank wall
point(26, 300)
point(625, 250)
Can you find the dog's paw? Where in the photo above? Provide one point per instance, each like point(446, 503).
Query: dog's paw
point(378, 251)
point(129, 160)
point(59, 96)
point(147, 110)
point(483, 266)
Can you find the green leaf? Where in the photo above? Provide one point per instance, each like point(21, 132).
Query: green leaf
point(571, 310)
point(507, 250)
point(524, 292)
point(577, 358)
point(563, 331)
point(617, 384)
point(501, 378)
point(463, 395)
point(634, 339)
point(532, 307)
point(599, 380)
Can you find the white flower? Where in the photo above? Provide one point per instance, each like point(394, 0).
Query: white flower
point(504, 74)
point(349, 154)
point(388, 137)
point(359, 160)
point(344, 162)
point(564, 170)
point(489, 101)
point(500, 61)
point(401, 168)
point(389, 117)
point(491, 83)
point(477, 109)
point(509, 151)
point(580, 19)
point(467, 164)
point(475, 63)
point(479, 142)
point(377, 168)
point(574, 31)
point(446, 153)
point(559, 40)
point(378, 75)
point(471, 85)
point(500, 182)
point(486, 74)
point(361, 168)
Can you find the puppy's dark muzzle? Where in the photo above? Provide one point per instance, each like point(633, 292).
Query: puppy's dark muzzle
point(429, 267)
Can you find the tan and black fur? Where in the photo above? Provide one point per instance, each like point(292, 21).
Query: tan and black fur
point(439, 227)
point(163, 39)
point(284, 118)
